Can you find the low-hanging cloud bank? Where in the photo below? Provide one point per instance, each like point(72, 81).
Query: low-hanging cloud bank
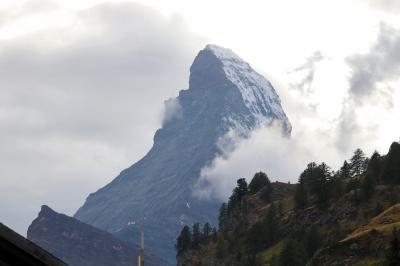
point(282, 158)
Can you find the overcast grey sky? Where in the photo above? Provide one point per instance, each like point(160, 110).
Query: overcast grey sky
point(83, 83)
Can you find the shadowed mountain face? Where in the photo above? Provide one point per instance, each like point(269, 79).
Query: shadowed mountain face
point(155, 195)
point(78, 243)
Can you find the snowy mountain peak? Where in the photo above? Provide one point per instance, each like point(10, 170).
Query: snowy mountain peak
point(224, 54)
point(257, 92)
point(225, 94)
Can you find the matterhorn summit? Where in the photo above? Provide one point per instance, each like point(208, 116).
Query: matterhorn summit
point(257, 92)
point(225, 93)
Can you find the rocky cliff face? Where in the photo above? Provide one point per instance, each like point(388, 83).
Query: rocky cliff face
point(77, 243)
point(155, 195)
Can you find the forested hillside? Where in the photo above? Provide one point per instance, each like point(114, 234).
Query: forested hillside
point(344, 217)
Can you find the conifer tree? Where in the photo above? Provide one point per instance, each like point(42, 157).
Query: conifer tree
point(223, 213)
point(365, 165)
point(301, 197)
point(374, 166)
point(336, 186)
point(196, 235)
point(321, 178)
point(391, 170)
point(371, 176)
point(206, 230)
point(259, 181)
point(314, 180)
point(242, 187)
point(357, 163)
point(183, 241)
point(238, 193)
point(345, 170)
point(311, 176)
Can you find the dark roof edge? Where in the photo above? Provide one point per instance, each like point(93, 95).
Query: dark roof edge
point(29, 247)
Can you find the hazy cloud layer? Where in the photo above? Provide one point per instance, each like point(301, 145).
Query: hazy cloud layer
point(78, 105)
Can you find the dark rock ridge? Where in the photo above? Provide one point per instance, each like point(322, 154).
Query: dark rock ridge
point(78, 243)
point(156, 194)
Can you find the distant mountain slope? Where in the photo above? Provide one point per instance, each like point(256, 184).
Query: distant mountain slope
point(80, 244)
point(155, 195)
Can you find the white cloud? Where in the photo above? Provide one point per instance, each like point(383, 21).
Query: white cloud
point(265, 150)
point(381, 64)
point(172, 110)
point(77, 106)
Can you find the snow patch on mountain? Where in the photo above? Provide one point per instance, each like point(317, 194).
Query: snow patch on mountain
point(257, 92)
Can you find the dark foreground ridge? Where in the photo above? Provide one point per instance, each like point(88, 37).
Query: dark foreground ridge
point(17, 250)
point(80, 244)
